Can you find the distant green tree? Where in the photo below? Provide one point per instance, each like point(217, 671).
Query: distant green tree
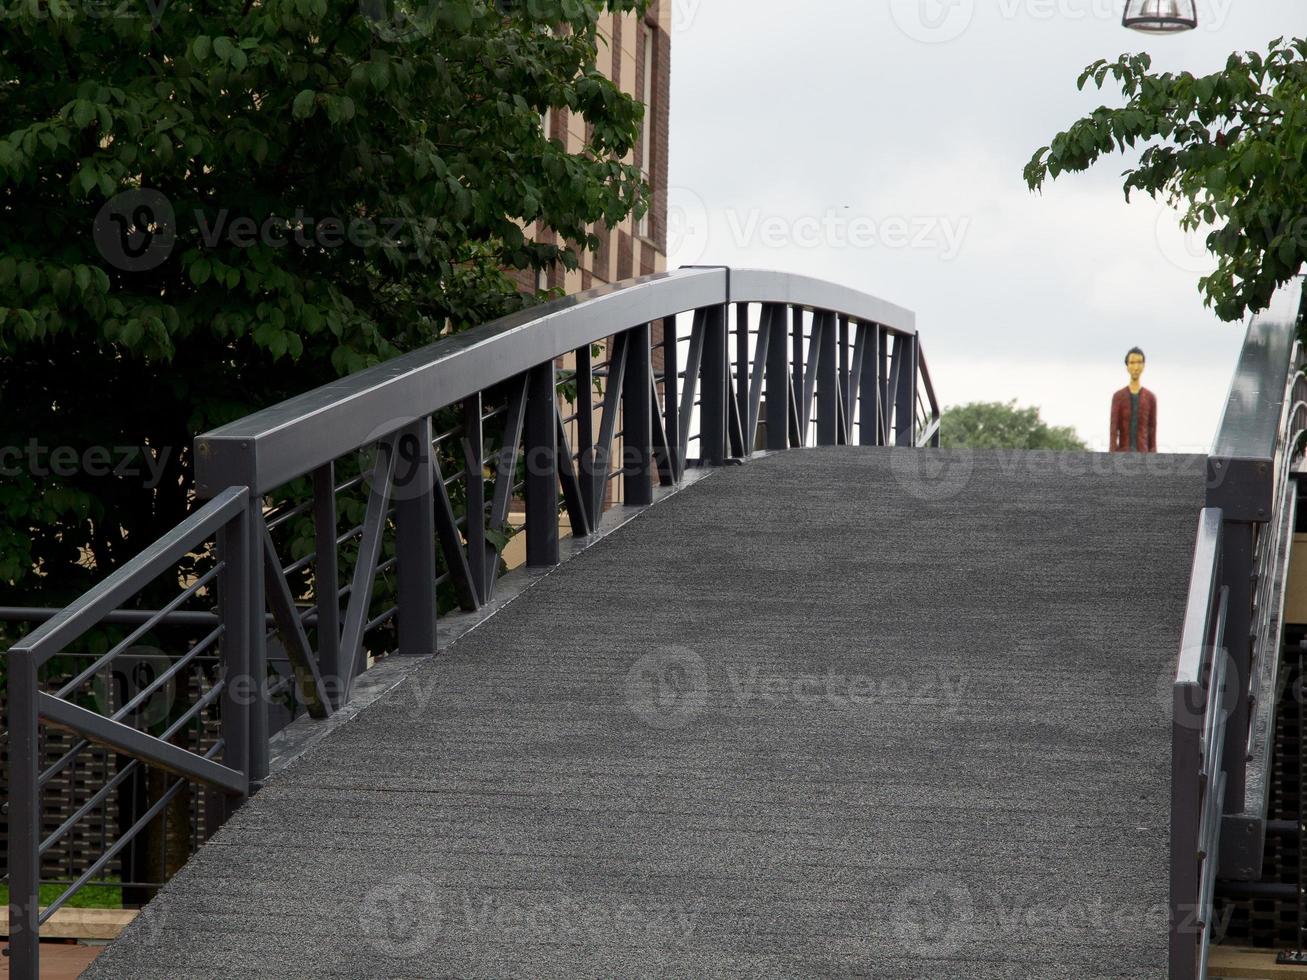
point(998, 425)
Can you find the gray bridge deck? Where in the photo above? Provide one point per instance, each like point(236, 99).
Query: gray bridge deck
point(820, 714)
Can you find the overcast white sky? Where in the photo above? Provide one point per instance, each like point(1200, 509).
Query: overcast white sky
point(880, 143)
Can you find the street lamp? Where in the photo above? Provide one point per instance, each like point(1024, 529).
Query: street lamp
point(1160, 16)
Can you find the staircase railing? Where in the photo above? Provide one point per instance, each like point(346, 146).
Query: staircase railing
point(1226, 680)
point(565, 409)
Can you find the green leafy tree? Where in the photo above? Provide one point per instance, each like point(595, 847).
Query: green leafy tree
point(207, 207)
point(999, 425)
point(1229, 149)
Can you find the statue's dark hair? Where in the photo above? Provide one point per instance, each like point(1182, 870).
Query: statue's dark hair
point(1134, 350)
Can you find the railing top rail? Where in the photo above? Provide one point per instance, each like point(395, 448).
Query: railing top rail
point(1195, 635)
point(65, 626)
point(1253, 420)
point(270, 447)
point(764, 286)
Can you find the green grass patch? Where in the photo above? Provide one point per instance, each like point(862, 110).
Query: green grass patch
point(90, 896)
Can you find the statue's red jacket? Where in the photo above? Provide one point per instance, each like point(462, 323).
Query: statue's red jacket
point(1120, 434)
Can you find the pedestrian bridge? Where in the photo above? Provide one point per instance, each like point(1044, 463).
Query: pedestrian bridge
point(851, 704)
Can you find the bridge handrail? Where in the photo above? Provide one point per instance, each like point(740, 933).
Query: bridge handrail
point(1224, 692)
point(1197, 741)
point(292, 438)
point(121, 728)
point(1249, 478)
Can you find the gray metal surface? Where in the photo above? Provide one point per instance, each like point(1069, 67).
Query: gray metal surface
point(266, 449)
point(1253, 422)
point(837, 711)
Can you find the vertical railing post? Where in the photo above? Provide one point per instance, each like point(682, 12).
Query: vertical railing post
point(869, 390)
point(1237, 574)
point(797, 359)
point(672, 396)
point(637, 419)
point(1187, 705)
point(712, 405)
point(846, 390)
point(326, 580)
point(474, 485)
point(24, 818)
point(415, 539)
point(776, 320)
point(234, 646)
point(905, 398)
point(256, 683)
point(742, 363)
point(828, 382)
point(885, 369)
point(541, 442)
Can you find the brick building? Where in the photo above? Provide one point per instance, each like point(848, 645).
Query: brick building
point(635, 52)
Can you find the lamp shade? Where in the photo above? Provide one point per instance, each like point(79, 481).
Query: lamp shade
point(1161, 16)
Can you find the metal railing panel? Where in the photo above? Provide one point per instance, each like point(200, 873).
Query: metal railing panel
point(292, 438)
point(1197, 731)
point(70, 622)
point(30, 706)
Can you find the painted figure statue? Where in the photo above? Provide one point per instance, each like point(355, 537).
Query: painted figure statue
point(1134, 411)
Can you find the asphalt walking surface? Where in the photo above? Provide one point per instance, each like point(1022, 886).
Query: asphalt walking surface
point(834, 712)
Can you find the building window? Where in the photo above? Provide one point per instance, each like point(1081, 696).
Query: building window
point(646, 142)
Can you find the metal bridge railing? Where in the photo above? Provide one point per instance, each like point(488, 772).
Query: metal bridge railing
point(1224, 695)
point(37, 697)
point(562, 409)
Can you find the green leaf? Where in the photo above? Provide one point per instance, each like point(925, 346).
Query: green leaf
point(199, 271)
point(201, 47)
point(83, 113)
point(88, 177)
point(302, 107)
point(223, 48)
